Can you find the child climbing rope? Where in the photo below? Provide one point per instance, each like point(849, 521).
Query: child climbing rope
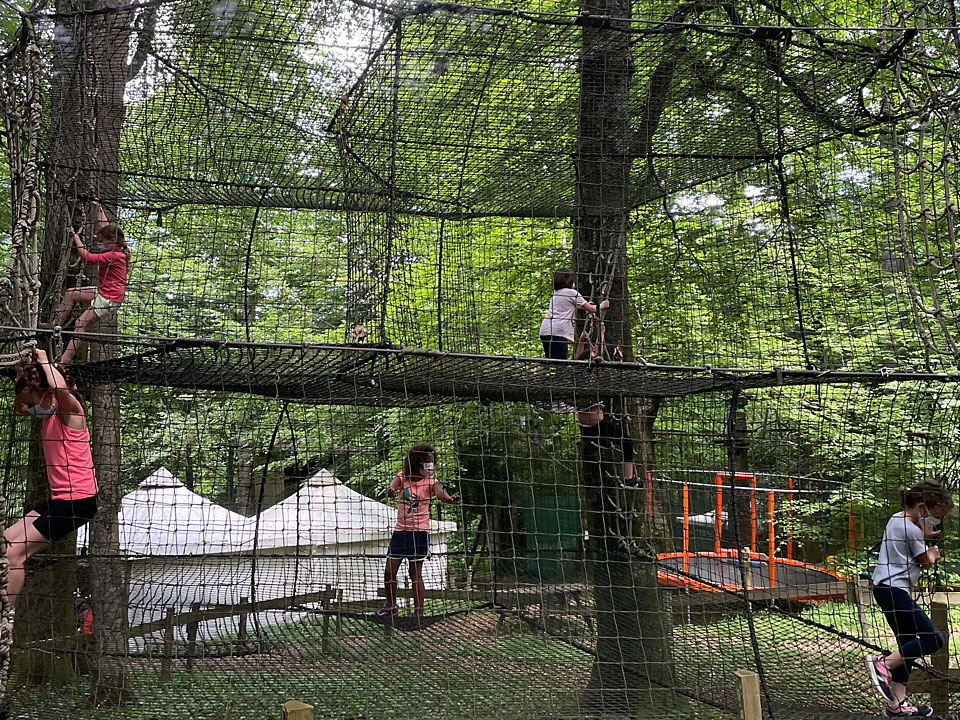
point(903, 552)
point(416, 486)
point(602, 428)
point(42, 392)
point(556, 330)
point(107, 296)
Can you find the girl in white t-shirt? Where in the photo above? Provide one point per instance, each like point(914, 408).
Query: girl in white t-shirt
point(556, 330)
point(903, 552)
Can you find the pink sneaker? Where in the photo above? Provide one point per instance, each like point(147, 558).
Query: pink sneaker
point(880, 675)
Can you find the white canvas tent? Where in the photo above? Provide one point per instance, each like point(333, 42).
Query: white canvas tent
point(183, 549)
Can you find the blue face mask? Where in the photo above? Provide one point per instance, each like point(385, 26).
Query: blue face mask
point(38, 411)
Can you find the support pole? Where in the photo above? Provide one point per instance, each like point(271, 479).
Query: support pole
point(686, 528)
point(771, 538)
point(753, 513)
point(851, 530)
point(718, 518)
point(790, 519)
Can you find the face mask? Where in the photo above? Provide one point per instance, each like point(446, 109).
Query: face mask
point(39, 411)
point(930, 521)
point(428, 468)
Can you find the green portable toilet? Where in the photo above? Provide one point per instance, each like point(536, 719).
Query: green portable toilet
point(553, 538)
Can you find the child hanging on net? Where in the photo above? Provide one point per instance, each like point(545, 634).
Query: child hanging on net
point(42, 392)
point(416, 486)
point(903, 552)
point(556, 330)
point(106, 297)
point(602, 428)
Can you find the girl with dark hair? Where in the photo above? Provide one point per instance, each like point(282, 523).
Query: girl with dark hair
point(903, 552)
point(416, 487)
point(556, 330)
point(42, 392)
point(107, 296)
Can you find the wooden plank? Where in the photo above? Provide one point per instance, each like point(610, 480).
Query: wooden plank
point(294, 710)
point(748, 692)
point(463, 595)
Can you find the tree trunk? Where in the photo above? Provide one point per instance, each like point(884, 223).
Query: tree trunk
point(632, 630)
point(107, 37)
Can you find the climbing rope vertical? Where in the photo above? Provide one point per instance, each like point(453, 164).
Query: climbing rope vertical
point(20, 286)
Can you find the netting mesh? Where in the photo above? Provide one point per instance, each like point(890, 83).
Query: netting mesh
point(344, 219)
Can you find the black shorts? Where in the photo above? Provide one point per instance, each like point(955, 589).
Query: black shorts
point(59, 518)
point(409, 545)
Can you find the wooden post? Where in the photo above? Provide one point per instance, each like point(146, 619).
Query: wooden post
point(325, 637)
point(748, 691)
point(242, 630)
point(193, 628)
point(339, 625)
point(939, 689)
point(166, 662)
point(294, 710)
point(746, 559)
point(857, 591)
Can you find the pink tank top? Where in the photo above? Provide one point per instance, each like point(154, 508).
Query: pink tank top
point(413, 508)
point(66, 453)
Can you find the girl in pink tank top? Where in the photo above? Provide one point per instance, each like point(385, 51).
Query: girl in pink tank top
point(43, 393)
point(107, 295)
point(415, 487)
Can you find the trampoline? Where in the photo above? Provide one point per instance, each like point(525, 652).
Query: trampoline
point(720, 570)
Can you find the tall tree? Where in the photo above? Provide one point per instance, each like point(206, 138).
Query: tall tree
point(631, 630)
point(91, 69)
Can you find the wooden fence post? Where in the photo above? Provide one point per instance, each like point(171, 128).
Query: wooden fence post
point(339, 616)
point(166, 662)
point(294, 710)
point(857, 593)
point(242, 630)
point(325, 638)
point(939, 689)
point(193, 628)
point(748, 691)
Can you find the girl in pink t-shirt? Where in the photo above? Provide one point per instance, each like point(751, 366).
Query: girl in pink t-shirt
point(416, 487)
point(106, 297)
point(41, 391)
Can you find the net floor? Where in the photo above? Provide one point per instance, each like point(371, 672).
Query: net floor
point(468, 666)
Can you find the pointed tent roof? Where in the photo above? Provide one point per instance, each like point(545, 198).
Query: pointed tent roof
point(324, 511)
point(164, 517)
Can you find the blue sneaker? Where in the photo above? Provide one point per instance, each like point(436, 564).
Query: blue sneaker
point(880, 675)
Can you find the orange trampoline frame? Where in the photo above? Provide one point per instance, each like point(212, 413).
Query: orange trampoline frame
point(671, 579)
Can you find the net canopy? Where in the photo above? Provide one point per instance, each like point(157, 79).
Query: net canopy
point(343, 220)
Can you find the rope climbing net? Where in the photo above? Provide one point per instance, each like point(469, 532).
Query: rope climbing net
point(344, 219)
